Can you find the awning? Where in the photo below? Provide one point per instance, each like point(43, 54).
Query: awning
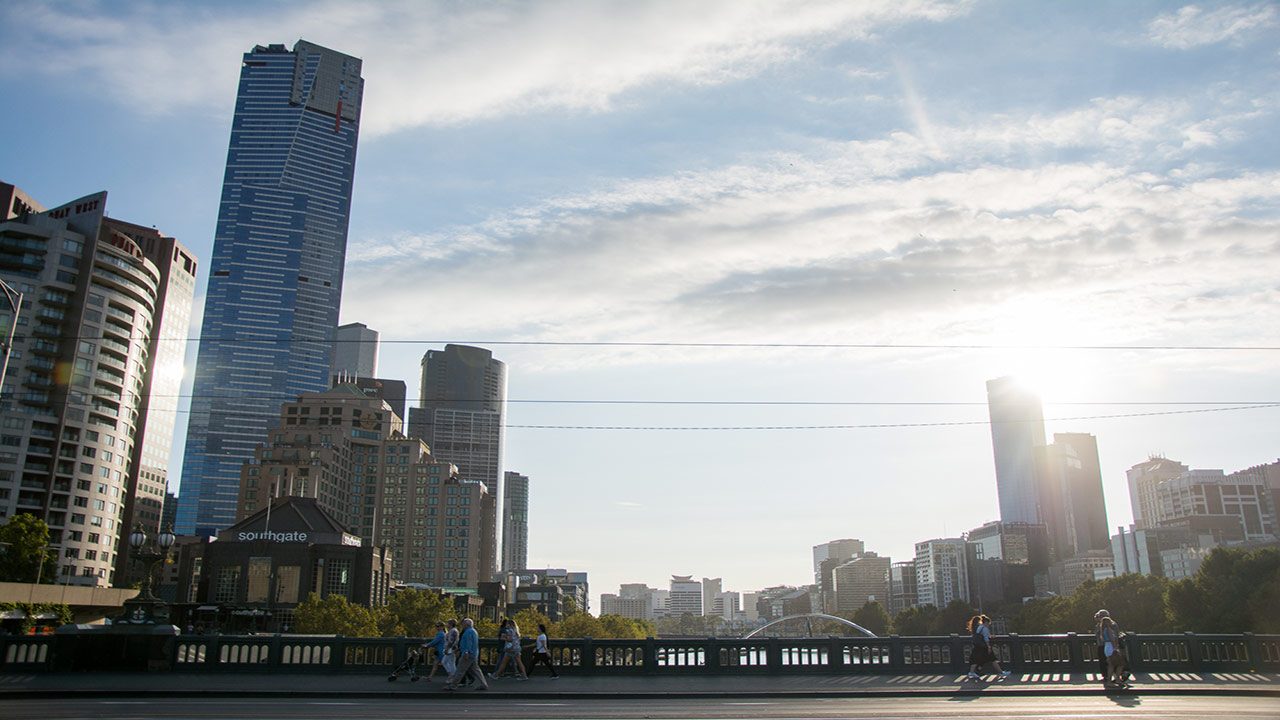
point(208, 608)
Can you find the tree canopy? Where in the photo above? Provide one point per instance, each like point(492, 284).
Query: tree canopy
point(24, 543)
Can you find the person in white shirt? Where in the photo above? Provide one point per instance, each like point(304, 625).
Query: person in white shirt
point(541, 653)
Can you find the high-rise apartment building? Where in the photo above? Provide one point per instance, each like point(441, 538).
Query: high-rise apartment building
point(1244, 496)
point(1143, 479)
point(859, 581)
point(942, 572)
point(711, 587)
point(515, 522)
point(355, 351)
point(1071, 502)
point(345, 449)
point(462, 410)
point(275, 279)
point(685, 597)
point(840, 550)
point(635, 608)
point(1017, 429)
point(86, 406)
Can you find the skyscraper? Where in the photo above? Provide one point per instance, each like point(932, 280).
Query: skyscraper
point(355, 351)
point(1143, 480)
point(515, 521)
point(1070, 493)
point(83, 399)
point(462, 410)
point(1017, 429)
point(276, 273)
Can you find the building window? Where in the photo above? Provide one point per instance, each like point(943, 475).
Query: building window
point(287, 579)
point(259, 580)
point(228, 585)
point(338, 578)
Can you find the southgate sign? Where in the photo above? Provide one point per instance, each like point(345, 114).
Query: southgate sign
point(273, 536)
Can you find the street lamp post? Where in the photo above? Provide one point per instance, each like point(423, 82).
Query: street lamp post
point(150, 551)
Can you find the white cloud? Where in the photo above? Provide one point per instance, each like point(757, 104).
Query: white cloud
point(440, 63)
point(870, 239)
point(1192, 26)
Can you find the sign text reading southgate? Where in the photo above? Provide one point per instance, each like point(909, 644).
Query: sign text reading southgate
point(273, 536)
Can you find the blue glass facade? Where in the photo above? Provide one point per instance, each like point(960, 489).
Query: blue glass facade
point(275, 278)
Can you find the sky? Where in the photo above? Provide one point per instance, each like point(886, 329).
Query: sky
point(1049, 185)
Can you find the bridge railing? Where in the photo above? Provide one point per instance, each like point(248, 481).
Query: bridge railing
point(1064, 653)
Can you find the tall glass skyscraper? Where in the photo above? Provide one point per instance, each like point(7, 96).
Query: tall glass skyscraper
point(1017, 429)
point(275, 277)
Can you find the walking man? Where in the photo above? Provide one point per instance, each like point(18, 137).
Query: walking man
point(469, 658)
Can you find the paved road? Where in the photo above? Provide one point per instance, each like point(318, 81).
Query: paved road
point(476, 706)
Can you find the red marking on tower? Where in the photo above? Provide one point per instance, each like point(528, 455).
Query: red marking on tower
point(337, 119)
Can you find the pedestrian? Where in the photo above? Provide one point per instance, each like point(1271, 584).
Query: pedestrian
point(983, 652)
point(1103, 668)
point(438, 642)
point(469, 657)
point(449, 658)
point(541, 653)
point(1116, 661)
point(509, 649)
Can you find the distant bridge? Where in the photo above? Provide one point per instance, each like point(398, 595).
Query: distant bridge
point(808, 619)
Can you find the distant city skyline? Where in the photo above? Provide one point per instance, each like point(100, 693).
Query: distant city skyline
point(889, 202)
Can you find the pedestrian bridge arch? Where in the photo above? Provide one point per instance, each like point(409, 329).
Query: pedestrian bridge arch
point(794, 624)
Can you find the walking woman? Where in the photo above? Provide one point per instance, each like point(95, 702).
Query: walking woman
point(982, 653)
point(541, 653)
point(510, 636)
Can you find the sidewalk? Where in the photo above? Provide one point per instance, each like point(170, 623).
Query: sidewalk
point(368, 685)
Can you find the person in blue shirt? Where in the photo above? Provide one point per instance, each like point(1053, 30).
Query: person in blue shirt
point(438, 642)
point(468, 659)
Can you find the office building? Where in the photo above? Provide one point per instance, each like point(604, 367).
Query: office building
point(902, 587)
point(1017, 429)
point(686, 596)
point(88, 351)
point(355, 351)
point(942, 572)
point(261, 567)
point(726, 605)
point(515, 522)
point(711, 587)
point(275, 281)
point(573, 588)
point(859, 581)
point(635, 608)
point(462, 410)
point(1071, 502)
point(394, 392)
point(1066, 576)
point(345, 449)
point(1015, 543)
point(1143, 479)
point(838, 550)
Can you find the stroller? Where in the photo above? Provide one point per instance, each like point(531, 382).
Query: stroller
point(415, 657)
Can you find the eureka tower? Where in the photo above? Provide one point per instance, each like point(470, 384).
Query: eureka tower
point(275, 278)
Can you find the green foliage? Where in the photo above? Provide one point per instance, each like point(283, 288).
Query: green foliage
point(61, 612)
point(528, 619)
point(414, 613)
point(580, 625)
point(1234, 591)
point(873, 617)
point(954, 618)
point(617, 626)
point(26, 539)
point(1137, 602)
point(916, 621)
point(335, 615)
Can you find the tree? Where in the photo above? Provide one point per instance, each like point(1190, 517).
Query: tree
point(953, 618)
point(918, 620)
point(617, 626)
point(415, 613)
point(24, 547)
point(873, 617)
point(528, 620)
point(581, 625)
point(1234, 591)
point(335, 615)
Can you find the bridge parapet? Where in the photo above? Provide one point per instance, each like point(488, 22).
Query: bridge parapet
point(1064, 653)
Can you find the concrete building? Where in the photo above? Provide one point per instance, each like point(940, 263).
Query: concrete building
point(461, 413)
point(355, 351)
point(86, 412)
point(942, 573)
point(1182, 562)
point(1245, 496)
point(1070, 492)
point(711, 587)
point(686, 596)
point(515, 522)
point(275, 281)
point(259, 569)
point(635, 608)
point(859, 581)
point(1014, 543)
point(1017, 429)
point(1066, 576)
point(902, 587)
point(727, 605)
point(826, 558)
point(1143, 479)
point(345, 449)
point(394, 392)
point(574, 588)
